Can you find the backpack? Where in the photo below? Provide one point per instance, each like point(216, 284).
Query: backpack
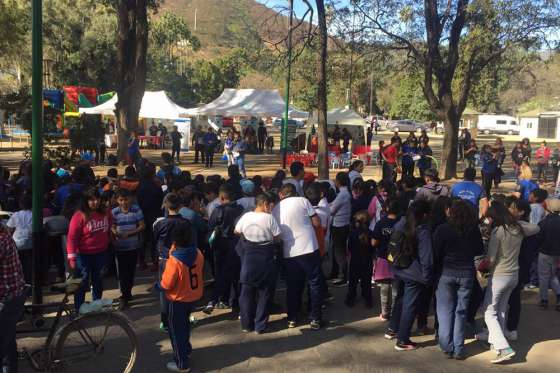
point(398, 254)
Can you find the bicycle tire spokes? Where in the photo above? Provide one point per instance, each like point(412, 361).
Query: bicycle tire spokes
point(93, 338)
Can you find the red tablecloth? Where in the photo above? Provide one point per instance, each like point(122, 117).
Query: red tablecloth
point(306, 159)
point(153, 140)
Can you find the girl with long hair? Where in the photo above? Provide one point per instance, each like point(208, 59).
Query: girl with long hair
point(456, 243)
point(413, 279)
point(88, 241)
point(503, 264)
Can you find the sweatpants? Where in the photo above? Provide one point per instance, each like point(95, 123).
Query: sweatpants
point(163, 302)
point(126, 268)
point(340, 249)
point(180, 332)
point(298, 269)
point(496, 302)
point(548, 278)
point(254, 306)
point(226, 282)
point(360, 270)
point(9, 317)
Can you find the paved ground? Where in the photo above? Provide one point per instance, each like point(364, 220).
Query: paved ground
point(351, 342)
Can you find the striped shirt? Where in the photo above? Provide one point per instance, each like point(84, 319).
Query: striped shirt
point(126, 222)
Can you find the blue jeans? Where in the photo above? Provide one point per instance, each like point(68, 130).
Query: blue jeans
point(91, 268)
point(240, 161)
point(180, 332)
point(298, 269)
point(406, 308)
point(453, 294)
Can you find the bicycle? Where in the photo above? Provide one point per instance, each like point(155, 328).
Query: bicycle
point(84, 342)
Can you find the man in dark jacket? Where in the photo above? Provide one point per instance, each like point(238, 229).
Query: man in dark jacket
point(226, 261)
point(150, 198)
point(262, 134)
point(549, 253)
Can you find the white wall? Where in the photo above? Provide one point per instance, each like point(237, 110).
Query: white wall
point(529, 127)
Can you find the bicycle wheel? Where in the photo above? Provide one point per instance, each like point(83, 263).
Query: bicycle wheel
point(94, 342)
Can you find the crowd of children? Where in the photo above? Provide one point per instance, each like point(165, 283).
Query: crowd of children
point(420, 241)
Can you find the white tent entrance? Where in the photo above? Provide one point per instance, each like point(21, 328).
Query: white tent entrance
point(247, 102)
point(344, 118)
point(155, 105)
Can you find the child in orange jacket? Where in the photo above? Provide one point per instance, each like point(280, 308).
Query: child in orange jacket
point(183, 284)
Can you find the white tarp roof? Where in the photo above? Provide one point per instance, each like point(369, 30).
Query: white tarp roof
point(247, 102)
point(155, 105)
point(343, 117)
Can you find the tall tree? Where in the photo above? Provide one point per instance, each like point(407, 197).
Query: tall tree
point(323, 157)
point(444, 37)
point(132, 47)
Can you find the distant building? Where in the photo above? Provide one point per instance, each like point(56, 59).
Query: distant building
point(540, 124)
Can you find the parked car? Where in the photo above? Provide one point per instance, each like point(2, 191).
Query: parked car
point(291, 122)
point(405, 125)
point(498, 124)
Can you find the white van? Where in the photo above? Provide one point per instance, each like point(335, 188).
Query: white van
point(498, 124)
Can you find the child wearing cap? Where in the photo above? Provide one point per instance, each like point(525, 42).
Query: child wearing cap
point(248, 199)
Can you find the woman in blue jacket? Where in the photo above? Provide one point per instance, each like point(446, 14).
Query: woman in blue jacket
point(413, 279)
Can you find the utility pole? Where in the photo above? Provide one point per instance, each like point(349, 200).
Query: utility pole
point(284, 137)
point(37, 143)
point(195, 14)
point(371, 89)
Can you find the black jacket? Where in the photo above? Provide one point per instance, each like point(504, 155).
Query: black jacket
point(548, 236)
point(162, 233)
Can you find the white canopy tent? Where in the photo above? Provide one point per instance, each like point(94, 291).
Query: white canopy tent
point(155, 104)
point(247, 102)
point(343, 117)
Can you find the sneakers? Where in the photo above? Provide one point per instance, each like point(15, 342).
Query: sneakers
point(530, 286)
point(163, 328)
point(291, 324)
point(383, 317)
point(209, 308)
point(406, 346)
point(511, 335)
point(482, 336)
point(315, 324)
point(172, 367)
point(222, 306)
point(339, 283)
point(543, 305)
point(503, 355)
point(389, 334)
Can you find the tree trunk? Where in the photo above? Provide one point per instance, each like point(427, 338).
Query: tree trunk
point(132, 45)
point(448, 166)
point(322, 156)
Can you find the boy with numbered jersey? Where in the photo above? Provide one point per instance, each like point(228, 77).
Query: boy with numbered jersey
point(183, 285)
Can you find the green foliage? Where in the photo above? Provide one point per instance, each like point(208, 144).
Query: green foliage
point(80, 36)
point(171, 30)
point(15, 21)
point(409, 101)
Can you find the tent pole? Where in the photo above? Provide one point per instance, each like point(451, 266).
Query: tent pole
point(37, 144)
point(288, 78)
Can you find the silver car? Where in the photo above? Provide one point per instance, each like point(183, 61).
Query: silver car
point(405, 125)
